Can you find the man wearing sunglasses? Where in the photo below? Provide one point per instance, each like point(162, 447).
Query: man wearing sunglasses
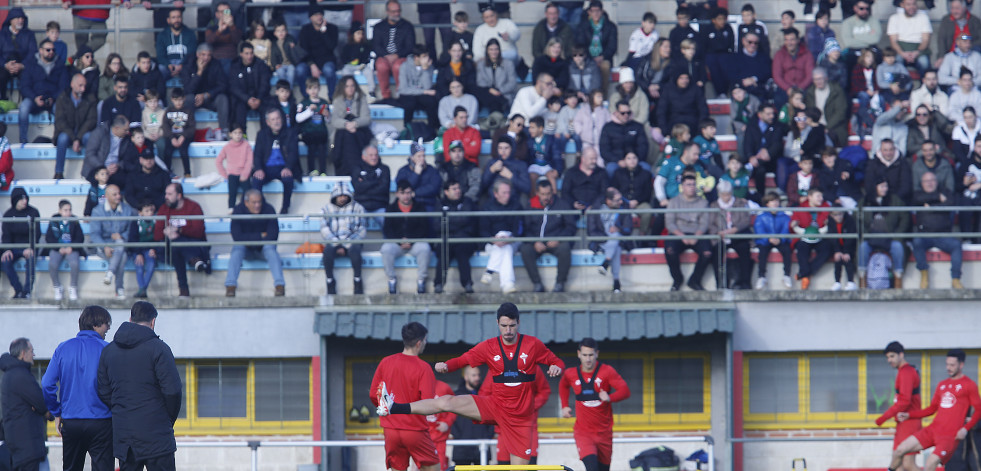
point(860, 31)
point(42, 81)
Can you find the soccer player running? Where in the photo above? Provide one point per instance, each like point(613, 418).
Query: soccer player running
point(413, 378)
point(596, 386)
point(951, 401)
point(907, 399)
point(512, 360)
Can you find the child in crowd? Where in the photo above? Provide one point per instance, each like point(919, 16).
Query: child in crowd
point(53, 32)
point(708, 147)
point(238, 154)
point(552, 107)
point(680, 135)
point(545, 158)
point(737, 175)
point(282, 98)
point(178, 130)
point(682, 31)
point(772, 221)
point(830, 59)
point(844, 224)
point(751, 25)
point(742, 109)
point(141, 148)
point(356, 56)
point(863, 88)
point(313, 128)
point(795, 103)
point(98, 179)
point(283, 57)
point(62, 231)
point(642, 41)
point(261, 45)
point(566, 129)
point(416, 87)
point(460, 34)
point(144, 258)
point(690, 64)
point(153, 118)
point(891, 77)
point(802, 181)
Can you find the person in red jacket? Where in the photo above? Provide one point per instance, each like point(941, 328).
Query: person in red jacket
point(805, 223)
point(907, 400)
point(178, 229)
point(596, 387)
point(542, 392)
point(511, 360)
point(90, 18)
point(951, 401)
point(407, 436)
point(439, 426)
point(6, 160)
point(468, 136)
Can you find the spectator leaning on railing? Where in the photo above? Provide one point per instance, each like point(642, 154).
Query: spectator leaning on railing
point(254, 230)
point(457, 227)
point(545, 226)
point(610, 225)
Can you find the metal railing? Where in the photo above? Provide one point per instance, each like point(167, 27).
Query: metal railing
point(483, 445)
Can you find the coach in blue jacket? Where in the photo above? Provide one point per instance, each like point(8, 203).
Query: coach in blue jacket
point(83, 420)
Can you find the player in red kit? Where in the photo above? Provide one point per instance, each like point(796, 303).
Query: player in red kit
point(951, 401)
point(439, 426)
point(907, 400)
point(541, 391)
point(512, 361)
point(407, 436)
point(596, 386)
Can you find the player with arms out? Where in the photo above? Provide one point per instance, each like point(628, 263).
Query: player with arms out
point(951, 401)
point(596, 386)
point(907, 399)
point(512, 360)
point(407, 436)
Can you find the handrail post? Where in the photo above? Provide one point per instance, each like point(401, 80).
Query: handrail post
point(483, 453)
point(254, 445)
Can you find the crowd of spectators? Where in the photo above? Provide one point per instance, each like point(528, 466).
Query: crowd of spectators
point(642, 139)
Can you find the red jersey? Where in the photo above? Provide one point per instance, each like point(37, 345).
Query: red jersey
point(409, 379)
point(593, 415)
point(950, 402)
point(515, 399)
point(442, 389)
point(908, 397)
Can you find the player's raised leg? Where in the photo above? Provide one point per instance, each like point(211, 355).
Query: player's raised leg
point(459, 405)
point(910, 445)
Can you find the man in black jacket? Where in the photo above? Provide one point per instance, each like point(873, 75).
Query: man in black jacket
point(146, 76)
point(466, 429)
point(205, 80)
point(24, 411)
point(319, 39)
point(635, 184)
point(502, 227)
point(620, 134)
point(146, 184)
point(607, 38)
point(120, 103)
point(139, 381)
point(403, 227)
point(249, 83)
point(545, 226)
point(584, 183)
point(457, 227)
point(255, 230)
point(19, 232)
point(276, 155)
point(75, 118)
point(107, 136)
point(371, 180)
point(462, 171)
point(681, 103)
point(763, 145)
point(931, 196)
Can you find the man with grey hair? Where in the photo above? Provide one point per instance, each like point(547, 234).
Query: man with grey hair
point(828, 97)
point(22, 404)
point(207, 83)
point(247, 228)
point(728, 221)
point(958, 22)
point(110, 227)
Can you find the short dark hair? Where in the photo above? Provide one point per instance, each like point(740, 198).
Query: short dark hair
point(92, 317)
point(177, 93)
point(142, 55)
point(589, 342)
point(682, 11)
point(462, 16)
point(543, 183)
point(53, 25)
point(19, 346)
point(822, 13)
point(894, 347)
point(64, 203)
point(450, 182)
point(688, 177)
point(120, 78)
point(649, 16)
point(45, 41)
point(245, 45)
point(706, 123)
point(954, 353)
point(813, 113)
point(148, 204)
point(748, 7)
point(412, 333)
point(282, 84)
point(420, 49)
point(508, 310)
point(458, 110)
point(789, 13)
point(142, 311)
point(402, 185)
point(537, 121)
point(791, 31)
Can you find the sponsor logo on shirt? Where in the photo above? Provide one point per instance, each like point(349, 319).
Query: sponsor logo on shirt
point(948, 400)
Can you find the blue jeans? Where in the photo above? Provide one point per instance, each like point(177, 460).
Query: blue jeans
point(145, 273)
point(63, 143)
point(329, 72)
point(895, 252)
point(241, 252)
point(26, 108)
point(570, 15)
point(785, 167)
point(950, 245)
point(287, 73)
point(8, 269)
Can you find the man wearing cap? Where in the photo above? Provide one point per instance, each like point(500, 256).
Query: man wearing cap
point(961, 56)
point(467, 136)
point(459, 169)
point(319, 39)
point(959, 21)
point(907, 399)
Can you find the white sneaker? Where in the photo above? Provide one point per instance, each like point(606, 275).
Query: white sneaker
point(508, 289)
point(487, 278)
point(59, 293)
point(72, 293)
point(788, 282)
point(385, 400)
point(851, 286)
point(836, 286)
point(120, 293)
point(108, 278)
point(761, 283)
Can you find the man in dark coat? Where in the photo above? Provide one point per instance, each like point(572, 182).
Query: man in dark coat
point(319, 39)
point(23, 407)
point(20, 233)
point(276, 155)
point(41, 82)
point(207, 84)
point(547, 226)
point(99, 150)
point(146, 184)
point(622, 135)
point(121, 103)
point(596, 16)
point(763, 144)
point(249, 83)
point(681, 103)
point(139, 381)
point(371, 180)
point(255, 230)
point(17, 44)
point(75, 118)
point(750, 66)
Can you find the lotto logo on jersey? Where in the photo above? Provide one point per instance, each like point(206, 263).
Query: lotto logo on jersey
point(497, 358)
point(948, 400)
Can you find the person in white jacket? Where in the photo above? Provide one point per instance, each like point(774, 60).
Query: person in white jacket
point(532, 101)
point(964, 94)
point(502, 29)
point(343, 221)
point(963, 56)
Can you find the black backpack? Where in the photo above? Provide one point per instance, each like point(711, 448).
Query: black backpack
point(660, 458)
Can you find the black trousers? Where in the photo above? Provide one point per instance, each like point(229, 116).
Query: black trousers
point(563, 252)
point(743, 264)
point(92, 436)
point(759, 174)
point(672, 253)
point(822, 251)
point(412, 103)
point(30, 466)
point(462, 254)
point(158, 463)
point(354, 253)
